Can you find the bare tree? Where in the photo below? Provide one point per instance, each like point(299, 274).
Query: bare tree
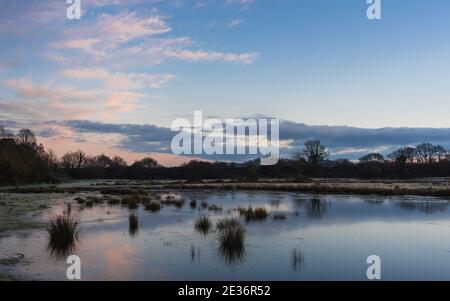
point(147, 163)
point(440, 152)
point(102, 161)
point(372, 157)
point(118, 162)
point(403, 155)
point(428, 153)
point(314, 152)
point(69, 160)
point(26, 137)
point(51, 159)
point(80, 158)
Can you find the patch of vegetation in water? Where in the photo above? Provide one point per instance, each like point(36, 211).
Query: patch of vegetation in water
point(14, 208)
point(5, 277)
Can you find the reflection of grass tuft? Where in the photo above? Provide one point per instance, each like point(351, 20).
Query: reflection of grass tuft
point(279, 217)
point(203, 225)
point(231, 238)
point(63, 232)
point(133, 222)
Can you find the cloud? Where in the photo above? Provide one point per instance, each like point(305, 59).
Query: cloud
point(45, 101)
point(234, 23)
point(245, 4)
point(195, 56)
point(118, 80)
point(343, 142)
point(136, 138)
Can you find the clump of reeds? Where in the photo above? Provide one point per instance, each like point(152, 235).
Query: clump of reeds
point(133, 221)
point(132, 201)
point(113, 201)
point(279, 217)
point(153, 206)
point(63, 235)
point(231, 236)
point(215, 208)
point(253, 214)
point(193, 204)
point(173, 202)
point(80, 200)
point(203, 225)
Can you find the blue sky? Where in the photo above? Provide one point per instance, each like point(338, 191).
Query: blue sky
point(315, 62)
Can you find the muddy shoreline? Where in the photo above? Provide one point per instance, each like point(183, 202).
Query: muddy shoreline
point(433, 188)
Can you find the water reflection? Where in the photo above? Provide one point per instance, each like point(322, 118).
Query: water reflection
point(428, 207)
point(231, 238)
point(63, 236)
point(195, 254)
point(133, 224)
point(316, 207)
point(297, 259)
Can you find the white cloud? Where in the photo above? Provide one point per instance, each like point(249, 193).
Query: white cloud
point(235, 22)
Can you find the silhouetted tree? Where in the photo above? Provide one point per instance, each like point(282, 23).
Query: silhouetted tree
point(26, 137)
point(314, 152)
point(80, 158)
point(372, 157)
point(102, 161)
point(403, 155)
point(118, 162)
point(146, 163)
point(428, 153)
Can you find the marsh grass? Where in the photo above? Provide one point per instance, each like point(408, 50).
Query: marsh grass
point(215, 208)
point(133, 224)
point(133, 201)
point(193, 204)
point(279, 217)
point(173, 202)
point(113, 201)
point(253, 214)
point(80, 200)
point(203, 225)
point(153, 206)
point(63, 235)
point(231, 237)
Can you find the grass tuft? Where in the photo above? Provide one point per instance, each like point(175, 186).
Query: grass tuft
point(63, 235)
point(253, 214)
point(231, 238)
point(153, 206)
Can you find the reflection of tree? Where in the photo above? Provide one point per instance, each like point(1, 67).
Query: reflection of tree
point(378, 202)
point(316, 207)
point(428, 207)
point(297, 259)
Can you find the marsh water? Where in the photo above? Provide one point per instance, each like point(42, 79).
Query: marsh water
point(315, 237)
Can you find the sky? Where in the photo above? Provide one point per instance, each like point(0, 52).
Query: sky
point(115, 80)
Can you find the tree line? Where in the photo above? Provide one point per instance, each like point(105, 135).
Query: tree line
point(23, 160)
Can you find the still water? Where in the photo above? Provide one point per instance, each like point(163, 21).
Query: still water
point(317, 238)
